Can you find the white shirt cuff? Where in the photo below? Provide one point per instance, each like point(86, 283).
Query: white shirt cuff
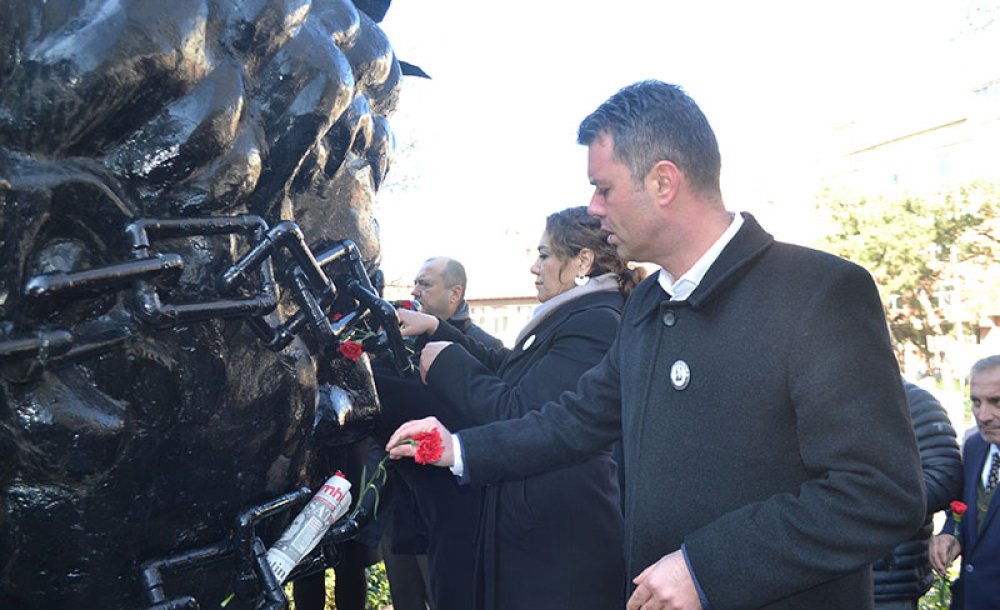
point(458, 468)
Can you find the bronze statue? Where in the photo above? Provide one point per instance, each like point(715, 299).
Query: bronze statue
point(186, 237)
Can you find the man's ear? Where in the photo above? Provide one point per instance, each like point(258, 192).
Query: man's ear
point(663, 180)
point(455, 295)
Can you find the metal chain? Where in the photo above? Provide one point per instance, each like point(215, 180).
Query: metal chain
point(249, 289)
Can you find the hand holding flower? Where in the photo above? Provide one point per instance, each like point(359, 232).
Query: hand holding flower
point(944, 548)
point(405, 442)
point(427, 448)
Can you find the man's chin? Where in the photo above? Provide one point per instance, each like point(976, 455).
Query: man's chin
point(992, 435)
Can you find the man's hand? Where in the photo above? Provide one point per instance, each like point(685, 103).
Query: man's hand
point(416, 323)
point(665, 585)
point(428, 355)
point(944, 548)
point(414, 427)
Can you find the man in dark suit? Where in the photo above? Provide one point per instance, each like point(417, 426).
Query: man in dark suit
point(977, 537)
point(429, 512)
point(769, 453)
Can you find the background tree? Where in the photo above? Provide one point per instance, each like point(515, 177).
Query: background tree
point(931, 257)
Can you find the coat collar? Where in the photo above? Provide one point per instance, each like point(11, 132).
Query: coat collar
point(745, 248)
point(612, 299)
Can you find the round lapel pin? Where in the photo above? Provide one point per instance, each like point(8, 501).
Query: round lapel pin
point(680, 375)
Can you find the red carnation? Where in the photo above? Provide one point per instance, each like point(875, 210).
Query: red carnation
point(958, 508)
point(351, 350)
point(429, 447)
point(408, 305)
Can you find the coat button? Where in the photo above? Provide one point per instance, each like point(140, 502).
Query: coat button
point(970, 569)
point(669, 318)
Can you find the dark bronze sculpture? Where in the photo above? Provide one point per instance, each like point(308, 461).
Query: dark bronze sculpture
point(179, 181)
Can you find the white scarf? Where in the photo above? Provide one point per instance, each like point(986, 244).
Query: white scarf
point(602, 283)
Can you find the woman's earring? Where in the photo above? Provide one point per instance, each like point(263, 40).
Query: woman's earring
point(581, 280)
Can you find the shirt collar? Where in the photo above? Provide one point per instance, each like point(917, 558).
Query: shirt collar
point(682, 288)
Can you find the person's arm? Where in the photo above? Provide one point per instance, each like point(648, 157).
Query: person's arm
point(563, 355)
point(491, 357)
point(854, 435)
point(565, 431)
point(940, 456)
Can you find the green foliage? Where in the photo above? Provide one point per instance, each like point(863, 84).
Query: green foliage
point(378, 589)
point(938, 597)
point(930, 257)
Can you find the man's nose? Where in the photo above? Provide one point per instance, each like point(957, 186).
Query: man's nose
point(596, 206)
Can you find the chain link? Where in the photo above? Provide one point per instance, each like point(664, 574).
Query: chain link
point(279, 258)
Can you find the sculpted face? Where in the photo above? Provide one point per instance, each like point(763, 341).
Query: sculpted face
point(127, 437)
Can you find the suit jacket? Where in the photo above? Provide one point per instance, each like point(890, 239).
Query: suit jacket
point(552, 540)
point(978, 585)
point(784, 463)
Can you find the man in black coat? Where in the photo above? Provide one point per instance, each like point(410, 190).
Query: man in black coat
point(769, 454)
point(430, 512)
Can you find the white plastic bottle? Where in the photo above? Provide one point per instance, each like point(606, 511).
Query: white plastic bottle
point(330, 503)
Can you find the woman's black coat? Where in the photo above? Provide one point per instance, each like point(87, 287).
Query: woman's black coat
point(552, 540)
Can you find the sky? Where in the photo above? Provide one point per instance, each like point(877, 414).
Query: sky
point(487, 147)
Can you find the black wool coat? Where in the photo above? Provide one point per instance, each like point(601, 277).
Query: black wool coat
point(552, 540)
point(447, 514)
point(785, 463)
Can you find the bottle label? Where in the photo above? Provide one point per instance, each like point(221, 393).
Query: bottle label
point(307, 529)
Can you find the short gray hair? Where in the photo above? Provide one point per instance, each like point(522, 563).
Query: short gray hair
point(985, 364)
point(653, 121)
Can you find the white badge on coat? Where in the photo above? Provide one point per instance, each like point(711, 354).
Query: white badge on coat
point(528, 342)
point(680, 375)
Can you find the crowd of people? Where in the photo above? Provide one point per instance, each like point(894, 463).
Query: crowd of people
point(730, 432)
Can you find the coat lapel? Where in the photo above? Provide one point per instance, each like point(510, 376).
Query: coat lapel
point(978, 449)
point(994, 508)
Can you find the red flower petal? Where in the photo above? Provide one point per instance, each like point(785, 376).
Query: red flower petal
point(958, 508)
point(351, 350)
point(429, 447)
